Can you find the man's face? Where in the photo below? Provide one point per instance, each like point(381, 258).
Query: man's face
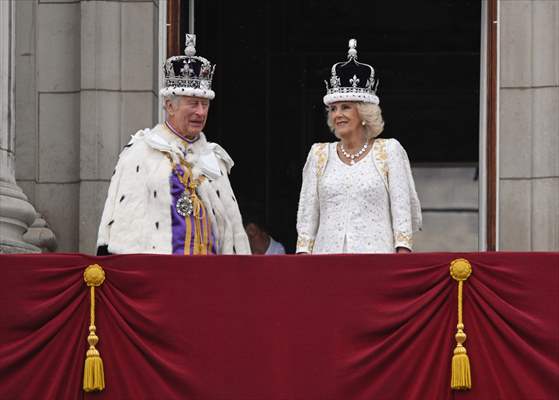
point(188, 115)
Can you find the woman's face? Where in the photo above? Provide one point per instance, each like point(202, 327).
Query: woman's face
point(345, 118)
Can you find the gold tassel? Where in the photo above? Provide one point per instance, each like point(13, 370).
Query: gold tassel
point(93, 374)
point(460, 270)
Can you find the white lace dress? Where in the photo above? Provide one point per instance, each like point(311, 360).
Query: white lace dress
point(368, 207)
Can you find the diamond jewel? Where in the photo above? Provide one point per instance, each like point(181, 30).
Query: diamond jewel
point(184, 205)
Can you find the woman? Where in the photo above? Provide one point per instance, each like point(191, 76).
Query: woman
point(358, 194)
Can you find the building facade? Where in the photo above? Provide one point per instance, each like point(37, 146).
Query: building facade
point(79, 77)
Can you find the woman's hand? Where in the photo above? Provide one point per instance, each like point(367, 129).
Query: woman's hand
point(402, 250)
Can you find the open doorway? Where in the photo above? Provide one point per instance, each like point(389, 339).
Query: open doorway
point(272, 59)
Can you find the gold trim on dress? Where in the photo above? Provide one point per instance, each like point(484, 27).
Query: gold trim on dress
point(305, 244)
point(403, 238)
point(321, 157)
point(381, 158)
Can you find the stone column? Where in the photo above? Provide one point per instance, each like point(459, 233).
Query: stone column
point(529, 125)
point(16, 213)
point(86, 79)
point(118, 96)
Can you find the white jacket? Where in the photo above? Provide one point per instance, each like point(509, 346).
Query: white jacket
point(137, 216)
point(369, 207)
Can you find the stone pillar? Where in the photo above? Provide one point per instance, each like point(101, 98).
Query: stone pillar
point(529, 125)
point(86, 80)
point(48, 112)
point(16, 213)
point(118, 95)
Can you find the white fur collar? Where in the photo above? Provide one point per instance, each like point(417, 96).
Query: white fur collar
point(204, 155)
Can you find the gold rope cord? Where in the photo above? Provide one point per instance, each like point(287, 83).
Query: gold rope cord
point(460, 270)
point(191, 184)
point(93, 375)
point(187, 235)
point(205, 227)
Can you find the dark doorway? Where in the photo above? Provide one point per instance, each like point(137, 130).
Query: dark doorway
point(273, 57)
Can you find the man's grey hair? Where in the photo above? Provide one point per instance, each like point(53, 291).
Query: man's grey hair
point(173, 98)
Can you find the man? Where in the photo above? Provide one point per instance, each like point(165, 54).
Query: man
point(170, 192)
point(260, 241)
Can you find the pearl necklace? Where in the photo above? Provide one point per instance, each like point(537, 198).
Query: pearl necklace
point(352, 157)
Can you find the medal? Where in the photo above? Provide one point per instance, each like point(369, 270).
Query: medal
point(184, 205)
point(188, 203)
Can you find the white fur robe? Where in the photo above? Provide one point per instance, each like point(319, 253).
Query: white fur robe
point(137, 214)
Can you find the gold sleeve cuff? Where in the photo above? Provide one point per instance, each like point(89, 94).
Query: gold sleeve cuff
point(403, 240)
point(304, 245)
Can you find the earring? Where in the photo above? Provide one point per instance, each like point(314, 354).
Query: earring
point(363, 123)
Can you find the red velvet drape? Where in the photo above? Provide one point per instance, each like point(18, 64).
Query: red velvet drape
point(280, 327)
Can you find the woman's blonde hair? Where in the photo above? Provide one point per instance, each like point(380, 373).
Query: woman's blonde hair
point(369, 113)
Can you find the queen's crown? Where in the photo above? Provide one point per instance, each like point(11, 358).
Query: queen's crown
point(352, 80)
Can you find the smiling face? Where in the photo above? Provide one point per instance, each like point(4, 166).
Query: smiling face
point(188, 114)
point(344, 119)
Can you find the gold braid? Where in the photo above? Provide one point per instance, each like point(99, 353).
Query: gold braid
point(190, 186)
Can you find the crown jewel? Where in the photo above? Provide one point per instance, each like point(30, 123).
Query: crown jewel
point(351, 80)
point(188, 75)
